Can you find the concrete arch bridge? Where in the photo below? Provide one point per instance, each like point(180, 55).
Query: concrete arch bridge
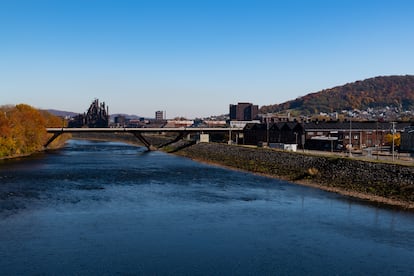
point(138, 133)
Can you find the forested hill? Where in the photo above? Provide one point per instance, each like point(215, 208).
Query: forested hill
point(396, 91)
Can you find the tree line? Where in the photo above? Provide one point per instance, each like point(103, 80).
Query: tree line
point(23, 129)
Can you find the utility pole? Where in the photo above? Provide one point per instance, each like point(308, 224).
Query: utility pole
point(377, 142)
point(393, 137)
point(331, 140)
point(267, 130)
point(230, 141)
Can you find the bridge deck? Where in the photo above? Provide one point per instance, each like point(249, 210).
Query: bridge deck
point(143, 130)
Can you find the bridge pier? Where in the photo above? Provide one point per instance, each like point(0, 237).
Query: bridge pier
point(55, 135)
point(144, 141)
point(178, 138)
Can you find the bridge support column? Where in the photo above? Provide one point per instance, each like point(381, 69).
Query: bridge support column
point(56, 135)
point(144, 141)
point(178, 138)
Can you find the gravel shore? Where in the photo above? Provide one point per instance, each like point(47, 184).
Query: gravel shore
point(382, 183)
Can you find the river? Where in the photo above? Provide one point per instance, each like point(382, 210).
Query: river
point(105, 208)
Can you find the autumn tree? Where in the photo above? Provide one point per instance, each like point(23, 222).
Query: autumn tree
point(396, 136)
point(23, 129)
point(7, 144)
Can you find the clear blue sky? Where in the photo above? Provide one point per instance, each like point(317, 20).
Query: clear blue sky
point(193, 58)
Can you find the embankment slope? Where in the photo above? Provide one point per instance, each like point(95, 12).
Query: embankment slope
point(386, 183)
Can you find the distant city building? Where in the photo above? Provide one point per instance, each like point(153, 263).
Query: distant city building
point(135, 123)
point(274, 134)
point(179, 123)
point(120, 121)
point(159, 115)
point(273, 118)
point(242, 124)
point(243, 112)
point(358, 135)
point(210, 123)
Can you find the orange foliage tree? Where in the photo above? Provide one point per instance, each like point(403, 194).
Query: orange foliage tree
point(23, 129)
point(7, 144)
point(397, 139)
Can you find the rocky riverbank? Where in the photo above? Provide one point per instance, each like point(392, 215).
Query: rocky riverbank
point(386, 183)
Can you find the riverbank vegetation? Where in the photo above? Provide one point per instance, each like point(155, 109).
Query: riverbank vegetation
point(23, 130)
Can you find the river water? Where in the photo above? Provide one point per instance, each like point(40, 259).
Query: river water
point(105, 208)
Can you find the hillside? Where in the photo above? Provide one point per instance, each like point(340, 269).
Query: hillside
point(396, 91)
point(61, 113)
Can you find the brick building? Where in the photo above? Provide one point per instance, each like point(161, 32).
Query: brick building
point(159, 115)
point(243, 112)
point(330, 135)
point(322, 135)
point(280, 132)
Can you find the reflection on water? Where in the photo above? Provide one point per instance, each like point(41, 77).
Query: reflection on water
point(111, 208)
